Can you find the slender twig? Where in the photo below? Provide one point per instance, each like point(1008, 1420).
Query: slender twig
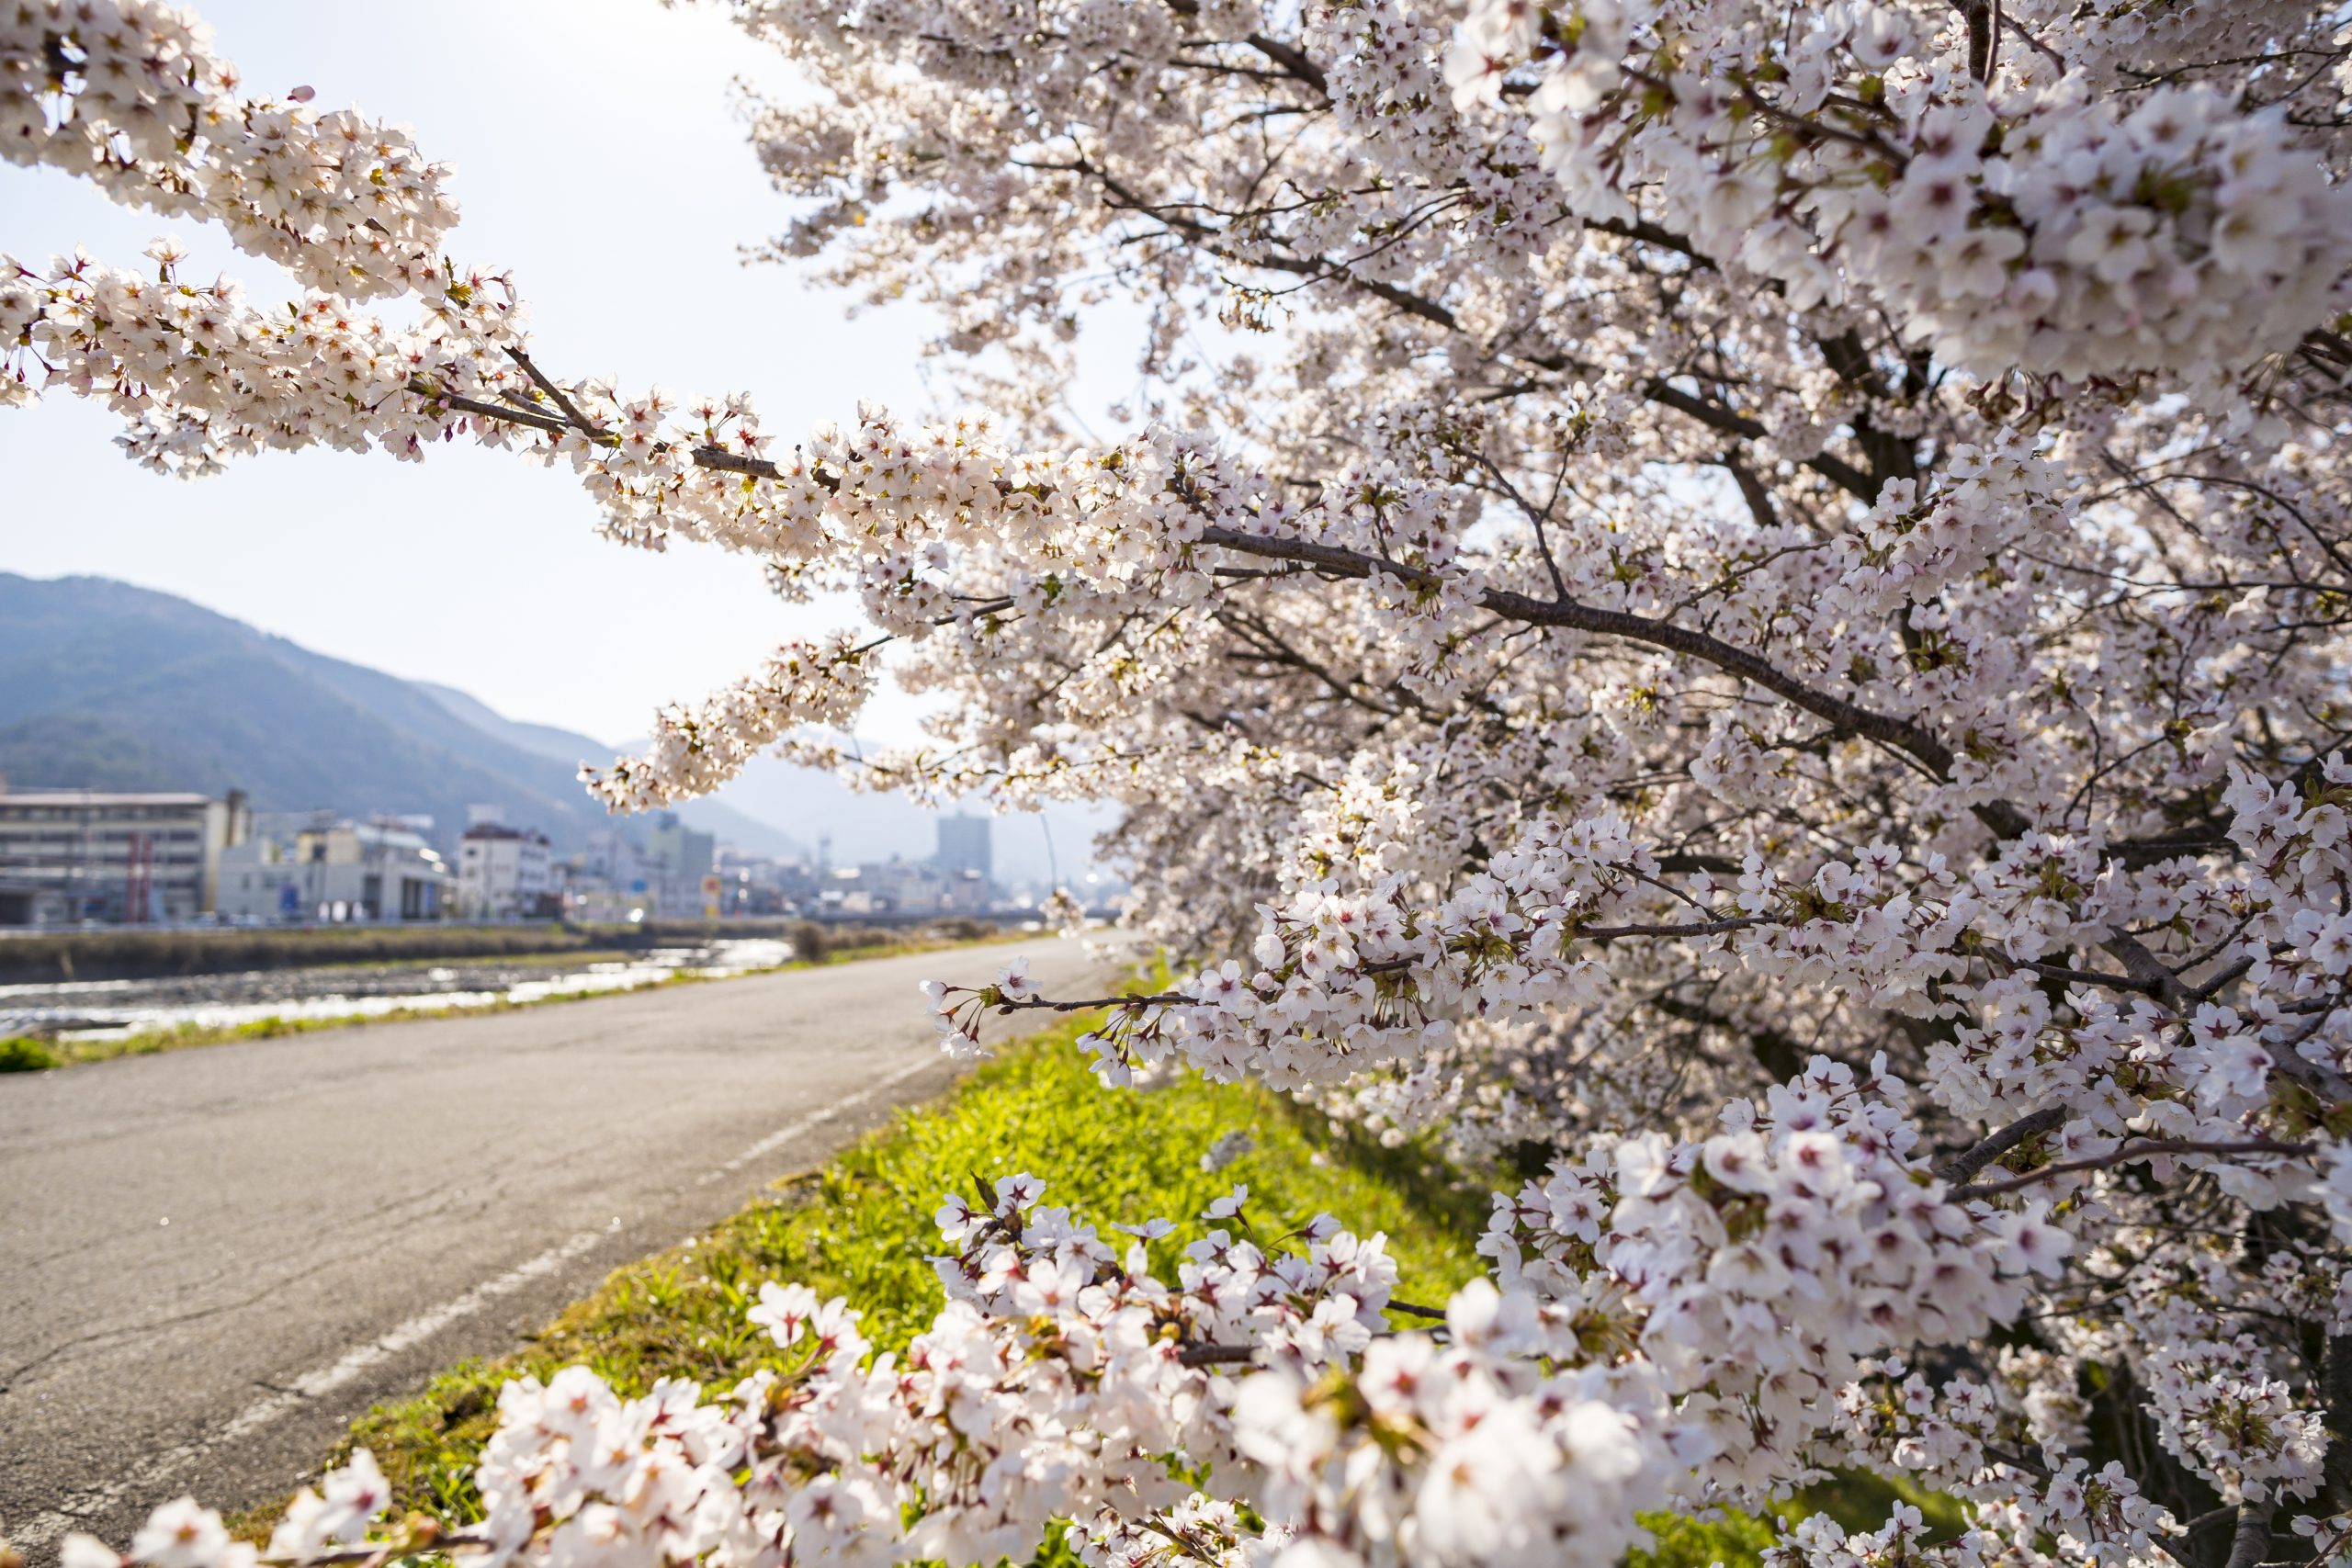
point(480, 410)
point(382, 1550)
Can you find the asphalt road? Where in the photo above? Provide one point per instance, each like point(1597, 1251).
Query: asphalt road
point(211, 1260)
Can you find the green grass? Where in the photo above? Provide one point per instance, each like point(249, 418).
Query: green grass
point(861, 1228)
point(26, 1053)
point(1857, 1499)
point(23, 1054)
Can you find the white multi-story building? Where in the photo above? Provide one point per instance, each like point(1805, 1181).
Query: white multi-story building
point(72, 854)
point(505, 872)
point(335, 872)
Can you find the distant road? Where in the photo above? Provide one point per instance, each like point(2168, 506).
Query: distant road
point(211, 1260)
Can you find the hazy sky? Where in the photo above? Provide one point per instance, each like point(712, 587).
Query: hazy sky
point(599, 155)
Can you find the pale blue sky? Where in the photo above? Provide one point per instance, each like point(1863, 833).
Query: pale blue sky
point(598, 154)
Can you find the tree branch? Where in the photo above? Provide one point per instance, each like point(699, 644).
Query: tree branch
point(2252, 1540)
point(1967, 1163)
point(556, 394)
point(1901, 734)
point(2139, 1149)
point(2143, 970)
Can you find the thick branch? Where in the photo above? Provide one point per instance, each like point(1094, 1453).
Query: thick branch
point(1336, 560)
point(2335, 1406)
point(1836, 471)
point(1779, 1054)
point(1982, 32)
point(1901, 735)
point(2252, 1541)
point(2138, 1148)
point(1967, 1163)
point(2144, 971)
point(1293, 59)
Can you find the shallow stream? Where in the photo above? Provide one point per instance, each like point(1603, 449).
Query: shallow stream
point(103, 1009)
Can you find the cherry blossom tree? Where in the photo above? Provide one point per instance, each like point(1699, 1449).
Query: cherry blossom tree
point(1736, 611)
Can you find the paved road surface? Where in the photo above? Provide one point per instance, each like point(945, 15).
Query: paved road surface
point(211, 1260)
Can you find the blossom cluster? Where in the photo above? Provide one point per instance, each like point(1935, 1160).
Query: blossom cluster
point(2023, 221)
point(129, 95)
point(695, 748)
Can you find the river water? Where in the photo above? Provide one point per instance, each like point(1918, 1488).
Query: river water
point(103, 1009)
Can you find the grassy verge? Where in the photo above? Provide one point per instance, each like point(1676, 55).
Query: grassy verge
point(862, 1227)
point(27, 1054)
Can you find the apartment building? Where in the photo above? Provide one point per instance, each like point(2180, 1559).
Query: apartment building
point(505, 873)
point(138, 857)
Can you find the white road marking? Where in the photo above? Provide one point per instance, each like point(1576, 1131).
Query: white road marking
point(414, 1332)
point(152, 1476)
point(160, 1468)
point(784, 1135)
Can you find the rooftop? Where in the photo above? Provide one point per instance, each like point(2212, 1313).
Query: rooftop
point(497, 830)
point(100, 797)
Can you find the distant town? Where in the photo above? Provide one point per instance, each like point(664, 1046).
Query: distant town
point(70, 857)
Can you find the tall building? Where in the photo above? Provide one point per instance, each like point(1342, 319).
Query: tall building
point(73, 854)
point(896, 886)
point(685, 887)
point(963, 846)
point(678, 849)
point(964, 864)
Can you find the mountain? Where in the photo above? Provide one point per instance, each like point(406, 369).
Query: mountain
point(571, 749)
point(543, 739)
point(107, 686)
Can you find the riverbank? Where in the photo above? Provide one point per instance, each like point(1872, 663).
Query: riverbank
point(40, 1053)
point(131, 954)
